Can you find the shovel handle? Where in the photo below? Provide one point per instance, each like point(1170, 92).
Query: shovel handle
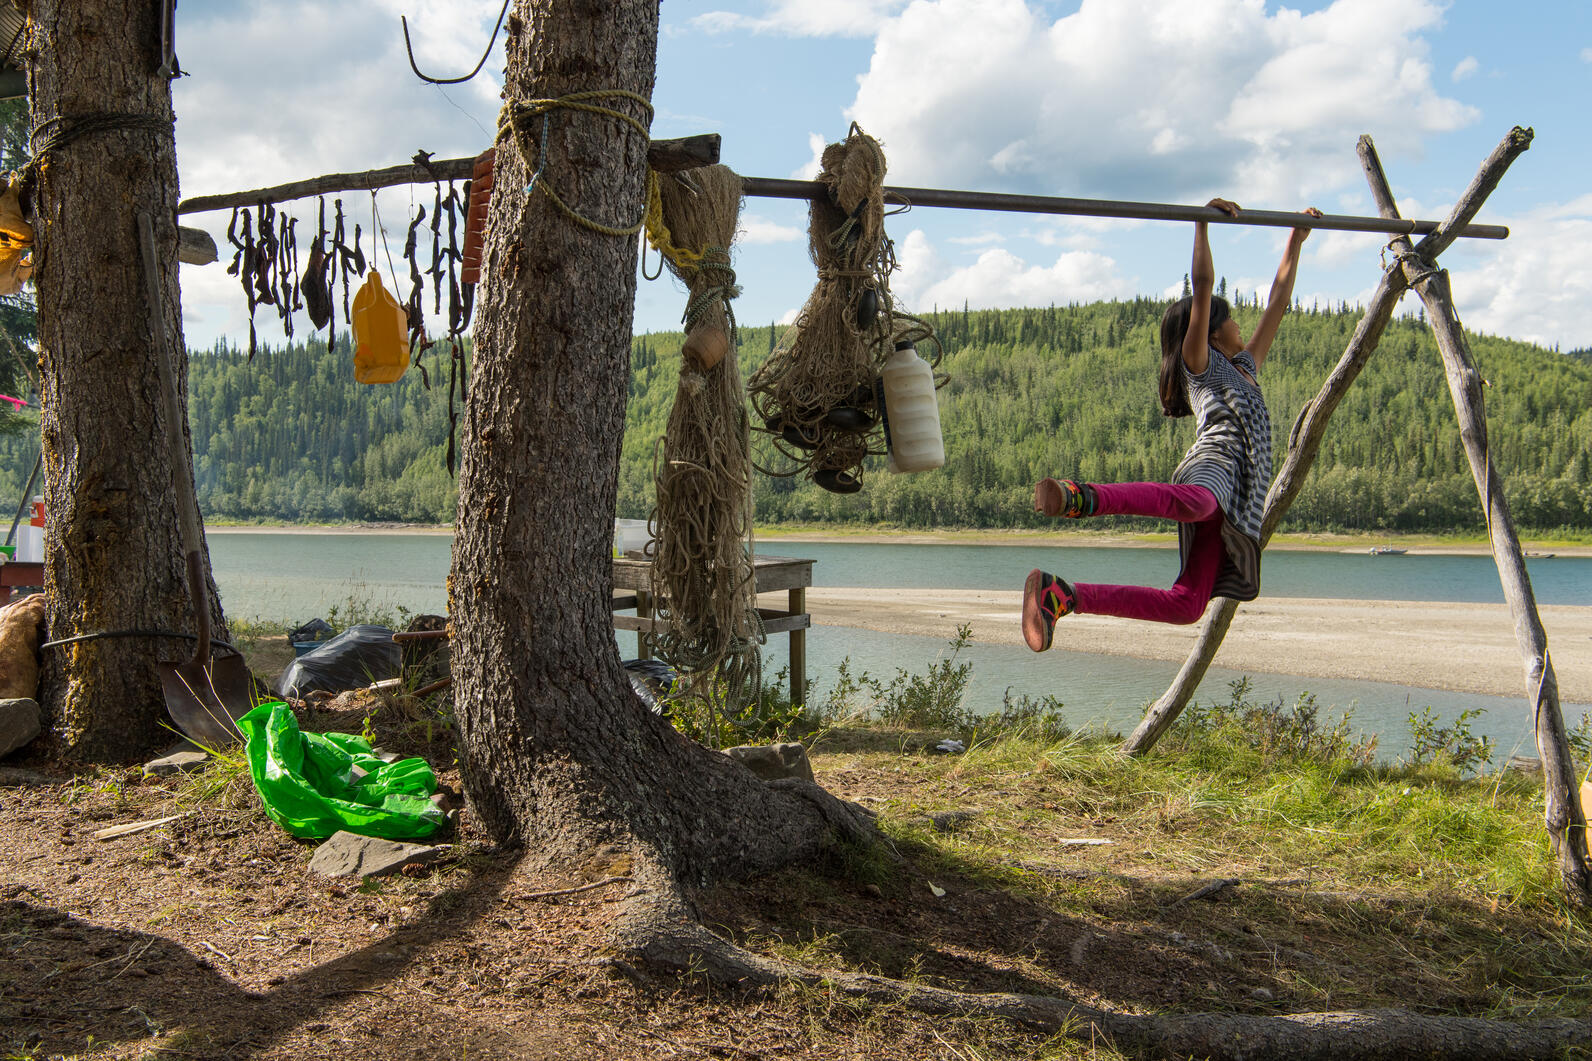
point(181, 477)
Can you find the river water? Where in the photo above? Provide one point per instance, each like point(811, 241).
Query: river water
point(297, 576)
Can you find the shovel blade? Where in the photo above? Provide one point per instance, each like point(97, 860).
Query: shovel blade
point(206, 702)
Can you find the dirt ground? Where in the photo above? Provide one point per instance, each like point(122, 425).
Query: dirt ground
point(208, 937)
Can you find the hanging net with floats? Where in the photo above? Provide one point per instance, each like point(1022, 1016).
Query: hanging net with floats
point(818, 397)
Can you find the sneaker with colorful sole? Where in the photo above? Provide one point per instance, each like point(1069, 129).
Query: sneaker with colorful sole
point(1064, 498)
point(1046, 598)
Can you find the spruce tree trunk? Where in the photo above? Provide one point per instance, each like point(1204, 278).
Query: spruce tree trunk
point(558, 753)
point(103, 144)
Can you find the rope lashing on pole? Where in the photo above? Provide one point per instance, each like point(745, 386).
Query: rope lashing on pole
point(512, 126)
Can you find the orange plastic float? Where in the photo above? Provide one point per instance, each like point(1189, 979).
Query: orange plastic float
point(381, 333)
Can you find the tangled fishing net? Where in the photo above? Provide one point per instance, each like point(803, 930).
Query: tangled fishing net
point(702, 573)
point(816, 396)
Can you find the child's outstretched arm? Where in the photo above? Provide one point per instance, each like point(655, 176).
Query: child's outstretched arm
point(1202, 281)
point(1281, 293)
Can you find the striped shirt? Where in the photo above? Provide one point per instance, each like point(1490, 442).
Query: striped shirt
point(1230, 457)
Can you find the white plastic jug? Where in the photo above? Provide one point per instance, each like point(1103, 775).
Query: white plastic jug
point(30, 535)
point(912, 415)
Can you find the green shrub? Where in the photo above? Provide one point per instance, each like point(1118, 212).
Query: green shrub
point(1454, 744)
point(932, 700)
point(1276, 730)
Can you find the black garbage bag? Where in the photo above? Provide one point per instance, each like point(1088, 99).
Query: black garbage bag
point(314, 630)
point(653, 680)
point(351, 660)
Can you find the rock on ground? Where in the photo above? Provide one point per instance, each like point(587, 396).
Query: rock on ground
point(774, 761)
point(176, 763)
point(347, 854)
point(19, 723)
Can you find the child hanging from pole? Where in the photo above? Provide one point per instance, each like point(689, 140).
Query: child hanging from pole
point(1217, 492)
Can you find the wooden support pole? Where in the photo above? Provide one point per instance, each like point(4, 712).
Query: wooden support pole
point(1304, 441)
point(1566, 818)
point(665, 156)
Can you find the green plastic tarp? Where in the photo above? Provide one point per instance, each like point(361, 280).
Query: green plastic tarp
point(314, 784)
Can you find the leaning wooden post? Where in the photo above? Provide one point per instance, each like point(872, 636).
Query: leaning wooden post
point(1303, 442)
point(1566, 818)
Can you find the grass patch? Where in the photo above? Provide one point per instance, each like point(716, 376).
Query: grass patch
point(1355, 883)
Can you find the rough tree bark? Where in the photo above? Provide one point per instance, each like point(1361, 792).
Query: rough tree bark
point(1566, 818)
point(1305, 439)
point(559, 756)
point(103, 146)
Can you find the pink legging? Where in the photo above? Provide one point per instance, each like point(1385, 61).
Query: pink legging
point(1185, 601)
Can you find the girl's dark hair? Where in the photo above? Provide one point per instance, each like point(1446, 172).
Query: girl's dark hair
point(1174, 327)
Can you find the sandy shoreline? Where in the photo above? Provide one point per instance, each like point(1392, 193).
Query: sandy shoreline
point(1463, 648)
point(1433, 645)
point(1335, 543)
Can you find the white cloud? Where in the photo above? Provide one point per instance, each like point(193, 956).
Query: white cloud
point(999, 279)
point(1466, 67)
point(1337, 249)
point(810, 169)
point(1152, 99)
point(1537, 284)
point(982, 239)
point(755, 229)
point(279, 93)
point(805, 18)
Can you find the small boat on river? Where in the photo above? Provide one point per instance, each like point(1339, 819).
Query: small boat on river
point(1387, 550)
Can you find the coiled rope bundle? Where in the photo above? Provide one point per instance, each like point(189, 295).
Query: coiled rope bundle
point(702, 564)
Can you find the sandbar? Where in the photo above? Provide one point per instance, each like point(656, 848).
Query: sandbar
point(1459, 647)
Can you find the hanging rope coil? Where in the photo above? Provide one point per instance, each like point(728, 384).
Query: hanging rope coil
point(514, 125)
point(702, 573)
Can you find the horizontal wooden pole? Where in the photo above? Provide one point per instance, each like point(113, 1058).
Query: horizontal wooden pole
point(195, 246)
point(775, 188)
point(666, 156)
point(689, 152)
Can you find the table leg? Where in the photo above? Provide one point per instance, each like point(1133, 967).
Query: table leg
point(643, 610)
point(798, 650)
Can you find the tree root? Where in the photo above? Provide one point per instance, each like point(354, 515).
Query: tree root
point(657, 929)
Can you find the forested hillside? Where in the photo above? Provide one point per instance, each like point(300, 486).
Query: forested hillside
point(1063, 391)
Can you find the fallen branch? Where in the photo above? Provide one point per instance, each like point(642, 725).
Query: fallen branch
point(1356, 1035)
point(128, 828)
point(1204, 892)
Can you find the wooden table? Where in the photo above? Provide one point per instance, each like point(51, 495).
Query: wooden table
point(633, 589)
point(18, 574)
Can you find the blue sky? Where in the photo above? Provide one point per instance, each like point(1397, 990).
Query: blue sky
point(1159, 100)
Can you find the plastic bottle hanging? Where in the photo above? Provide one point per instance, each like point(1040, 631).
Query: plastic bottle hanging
point(381, 333)
point(912, 414)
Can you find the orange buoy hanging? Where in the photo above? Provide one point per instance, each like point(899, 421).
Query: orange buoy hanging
point(475, 217)
point(16, 239)
point(381, 333)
